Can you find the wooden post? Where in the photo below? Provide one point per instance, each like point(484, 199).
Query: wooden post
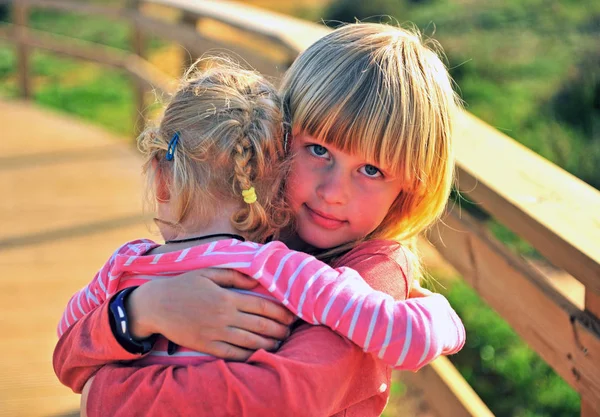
point(592, 304)
point(191, 20)
point(21, 17)
point(138, 46)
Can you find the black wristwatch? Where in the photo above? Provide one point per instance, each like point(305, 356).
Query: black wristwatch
point(119, 324)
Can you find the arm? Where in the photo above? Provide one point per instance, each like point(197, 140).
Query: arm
point(224, 319)
point(76, 358)
point(86, 300)
point(85, 347)
point(406, 334)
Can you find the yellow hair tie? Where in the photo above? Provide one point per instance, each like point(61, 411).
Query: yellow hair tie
point(249, 195)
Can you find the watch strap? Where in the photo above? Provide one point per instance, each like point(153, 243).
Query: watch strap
point(120, 325)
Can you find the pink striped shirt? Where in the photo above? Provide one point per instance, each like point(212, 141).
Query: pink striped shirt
point(404, 334)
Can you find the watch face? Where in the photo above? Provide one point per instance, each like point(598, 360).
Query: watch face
point(120, 325)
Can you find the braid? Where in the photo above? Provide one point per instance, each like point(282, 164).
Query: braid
point(252, 218)
point(229, 126)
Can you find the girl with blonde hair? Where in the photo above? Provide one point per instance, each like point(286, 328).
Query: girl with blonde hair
point(371, 114)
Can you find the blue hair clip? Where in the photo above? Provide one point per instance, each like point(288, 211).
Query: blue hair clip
point(172, 145)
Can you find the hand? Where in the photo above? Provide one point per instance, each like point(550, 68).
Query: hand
point(196, 311)
point(84, 396)
point(417, 291)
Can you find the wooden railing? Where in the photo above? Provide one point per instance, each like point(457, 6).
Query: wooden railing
point(555, 212)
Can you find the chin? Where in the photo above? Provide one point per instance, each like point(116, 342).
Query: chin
point(318, 242)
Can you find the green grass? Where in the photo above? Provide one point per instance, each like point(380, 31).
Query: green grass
point(96, 93)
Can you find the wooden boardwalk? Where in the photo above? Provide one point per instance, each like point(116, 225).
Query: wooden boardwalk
point(70, 194)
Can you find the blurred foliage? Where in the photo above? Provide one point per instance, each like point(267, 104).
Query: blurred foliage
point(529, 68)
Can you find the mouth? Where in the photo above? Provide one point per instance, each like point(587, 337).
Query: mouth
point(323, 220)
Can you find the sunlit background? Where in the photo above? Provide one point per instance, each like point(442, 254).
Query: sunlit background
point(530, 69)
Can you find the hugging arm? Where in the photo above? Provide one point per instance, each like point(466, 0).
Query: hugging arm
point(210, 318)
point(404, 334)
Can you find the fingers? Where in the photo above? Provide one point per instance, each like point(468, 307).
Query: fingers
point(229, 278)
point(229, 352)
point(263, 326)
point(248, 340)
point(262, 307)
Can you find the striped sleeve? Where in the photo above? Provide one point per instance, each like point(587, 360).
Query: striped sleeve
point(97, 291)
point(404, 334)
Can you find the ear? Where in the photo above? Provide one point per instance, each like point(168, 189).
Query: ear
point(160, 183)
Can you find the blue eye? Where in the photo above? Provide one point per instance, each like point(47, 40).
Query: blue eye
point(371, 171)
point(318, 150)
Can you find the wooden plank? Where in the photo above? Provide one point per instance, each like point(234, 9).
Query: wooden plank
point(190, 38)
point(67, 198)
point(74, 6)
point(21, 17)
point(190, 21)
point(565, 337)
point(592, 305)
point(556, 212)
point(76, 48)
point(449, 392)
point(291, 33)
point(198, 45)
point(138, 46)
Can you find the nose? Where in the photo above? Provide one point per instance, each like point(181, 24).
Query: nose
point(334, 187)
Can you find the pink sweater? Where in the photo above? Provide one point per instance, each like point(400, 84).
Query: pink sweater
point(402, 334)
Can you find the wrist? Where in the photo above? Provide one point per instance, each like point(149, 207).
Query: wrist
point(141, 325)
point(120, 323)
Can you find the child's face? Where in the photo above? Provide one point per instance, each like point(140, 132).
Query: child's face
point(337, 197)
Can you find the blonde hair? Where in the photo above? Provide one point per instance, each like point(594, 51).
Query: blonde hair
point(382, 92)
point(229, 122)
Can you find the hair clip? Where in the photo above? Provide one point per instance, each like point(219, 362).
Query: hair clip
point(172, 145)
point(249, 195)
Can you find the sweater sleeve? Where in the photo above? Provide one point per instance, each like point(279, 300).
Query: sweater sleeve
point(406, 334)
point(87, 299)
point(83, 346)
point(101, 287)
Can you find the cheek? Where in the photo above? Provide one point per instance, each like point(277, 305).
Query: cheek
point(299, 181)
point(376, 207)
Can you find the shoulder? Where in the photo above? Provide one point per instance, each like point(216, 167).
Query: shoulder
point(383, 264)
point(136, 247)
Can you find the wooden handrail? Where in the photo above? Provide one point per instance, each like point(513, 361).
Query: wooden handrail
point(292, 33)
point(558, 330)
point(557, 213)
point(452, 395)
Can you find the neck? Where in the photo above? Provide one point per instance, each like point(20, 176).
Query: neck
point(294, 242)
point(191, 228)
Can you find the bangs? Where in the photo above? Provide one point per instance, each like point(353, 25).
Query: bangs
point(370, 114)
